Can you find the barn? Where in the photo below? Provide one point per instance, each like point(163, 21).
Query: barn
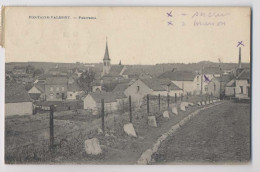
point(17, 100)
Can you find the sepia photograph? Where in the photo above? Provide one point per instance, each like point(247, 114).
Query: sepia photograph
point(127, 85)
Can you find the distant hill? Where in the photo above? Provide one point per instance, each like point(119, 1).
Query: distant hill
point(154, 70)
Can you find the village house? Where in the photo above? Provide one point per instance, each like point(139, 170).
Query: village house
point(242, 85)
point(188, 81)
point(37, 92)
point(141, 87)
point(17, 100)
point(74, 91)
point(112, 101)
point(56, 88)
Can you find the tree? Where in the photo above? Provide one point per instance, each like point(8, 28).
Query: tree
point(85, 80)
point(30, 69)
point(38, 72)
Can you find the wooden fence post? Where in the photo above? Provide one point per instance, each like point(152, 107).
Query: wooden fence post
point(159, 101)
point(175, 97)
point(187, 96)
point(130, 109)
point(168, 101)
point(51, 127)
point(103, 115)
point(148, 104)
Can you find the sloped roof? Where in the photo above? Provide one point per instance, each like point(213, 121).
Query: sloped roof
point(164, 81)
point(74, 87)
point(15, 93)
point(121, 87)
point(244, 75)
point(231, 83)
point(153, 84)
point(174, 87)
point(56, 81)
point(40, 87)
point(107, 96)
point(211, 70)
point(115, 70)
point(178, 75)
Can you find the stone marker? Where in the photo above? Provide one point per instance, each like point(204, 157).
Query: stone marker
point(152, 121)
point(202, 103)
point(182, 106)
point(166, 114)
point(186, 104)
point(191, 104)
point(129, 129)
point(199, 104)
point(99, 130)
point(92, 147)
point(214, 101)
point(146, 157)
point(174, 110)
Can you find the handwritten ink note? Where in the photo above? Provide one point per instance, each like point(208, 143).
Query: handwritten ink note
point(198, 18)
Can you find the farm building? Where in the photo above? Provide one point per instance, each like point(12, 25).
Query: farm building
point(141, 87)
point(17, 100)
point(189, 82)
point(111, 101)
point(242, 85)
point(56, 88)
point(37, 92)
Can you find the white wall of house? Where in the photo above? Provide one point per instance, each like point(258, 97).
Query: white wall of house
point(187, 86)
point(162, 93)
point(242, 89)
point(34, 90)
point(229, 91)
point(21, 108)
point(178, 92)
point(137, 91)
point(90, 103)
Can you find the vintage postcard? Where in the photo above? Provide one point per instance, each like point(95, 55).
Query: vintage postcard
point(127, 85)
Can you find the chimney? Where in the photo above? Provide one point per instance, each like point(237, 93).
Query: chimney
point(239, 60)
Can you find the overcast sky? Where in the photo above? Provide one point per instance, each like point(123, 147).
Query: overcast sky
point(135, 35)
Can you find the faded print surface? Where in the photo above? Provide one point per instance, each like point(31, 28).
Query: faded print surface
point(127, 85)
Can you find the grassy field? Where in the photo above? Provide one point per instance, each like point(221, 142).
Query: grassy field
point(27, 137)
point(217, 135)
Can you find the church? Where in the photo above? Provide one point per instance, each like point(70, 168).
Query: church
point(112, 72)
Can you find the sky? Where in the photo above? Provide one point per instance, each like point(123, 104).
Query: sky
point(138, 35)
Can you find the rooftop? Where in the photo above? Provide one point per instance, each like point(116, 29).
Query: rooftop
point(178, 75)
point(15, 93)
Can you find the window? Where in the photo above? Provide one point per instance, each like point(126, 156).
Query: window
point(57, 89)
point(241, 89)
point(197, 78)
point(70, 95)
point(214, 87)
point(138, 88)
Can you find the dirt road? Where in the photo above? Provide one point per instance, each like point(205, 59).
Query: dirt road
point(217, 135)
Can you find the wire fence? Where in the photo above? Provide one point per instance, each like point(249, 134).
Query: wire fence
point(70, 142)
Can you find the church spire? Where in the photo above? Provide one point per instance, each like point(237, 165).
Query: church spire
point(106, 56)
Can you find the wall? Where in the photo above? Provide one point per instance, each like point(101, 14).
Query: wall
point(229, 91)
point(215, 91)
point(22, 108)
point(54, 92)
point(137, 96)
point(245, 85)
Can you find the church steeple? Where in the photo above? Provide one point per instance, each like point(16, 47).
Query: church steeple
point(106, 61)
point(106, 56)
